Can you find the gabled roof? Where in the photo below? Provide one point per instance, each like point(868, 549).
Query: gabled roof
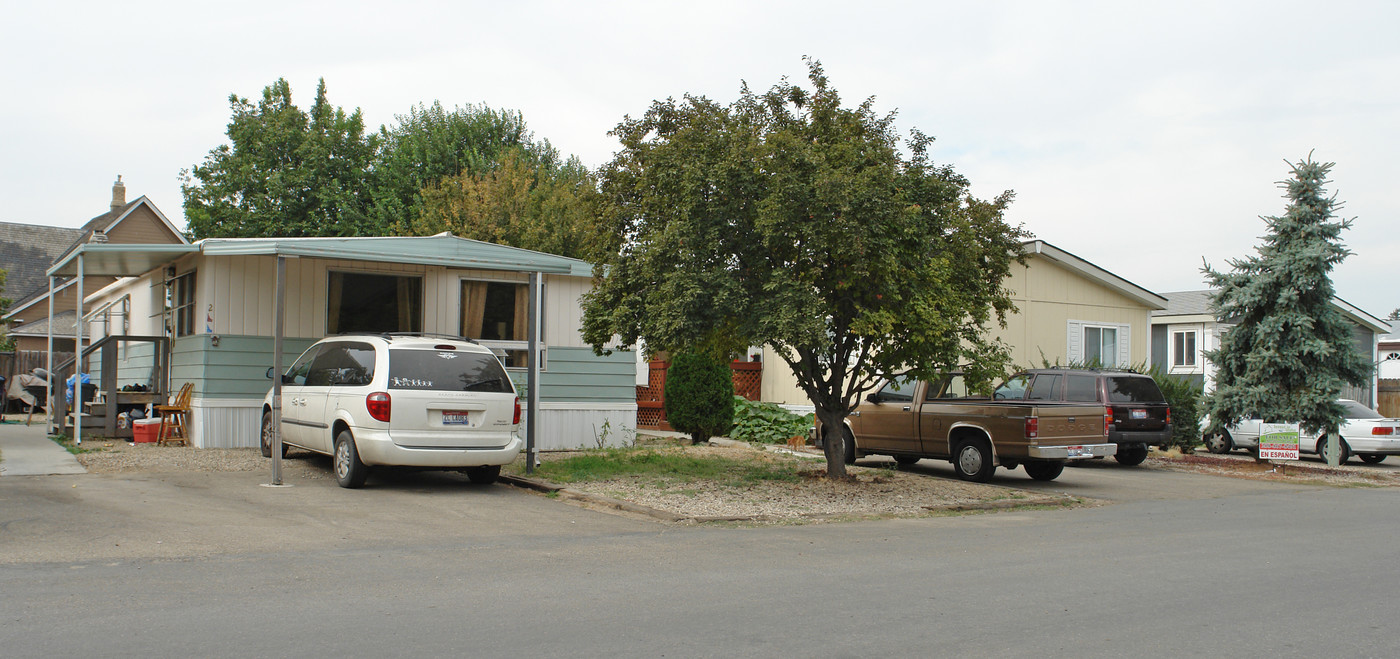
point(1197, 303)
point(64, 324)
point(26, 251)
point(1089, 270)
point(443, 249)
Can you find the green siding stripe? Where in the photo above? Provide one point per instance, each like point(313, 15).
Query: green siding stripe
point(237, 368)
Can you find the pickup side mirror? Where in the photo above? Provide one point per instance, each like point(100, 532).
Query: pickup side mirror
point(875, 398)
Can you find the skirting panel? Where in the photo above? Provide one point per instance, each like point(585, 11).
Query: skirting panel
point(226, 423)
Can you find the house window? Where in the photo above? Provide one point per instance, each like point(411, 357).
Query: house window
point(183, 304)
point(497, 313)
point(364, 302)
point(1184, 348)
point(1101, 346)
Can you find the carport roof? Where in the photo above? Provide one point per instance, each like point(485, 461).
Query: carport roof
point(444, 249)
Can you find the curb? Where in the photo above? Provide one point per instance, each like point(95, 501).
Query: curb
point(540, 485)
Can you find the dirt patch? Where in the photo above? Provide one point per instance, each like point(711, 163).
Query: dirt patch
point(109, 456)
point(865, 492)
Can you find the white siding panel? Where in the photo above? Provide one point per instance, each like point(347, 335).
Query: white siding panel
point(225, 423)
point(563, 312)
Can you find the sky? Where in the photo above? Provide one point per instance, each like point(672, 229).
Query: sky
point(1145, 137)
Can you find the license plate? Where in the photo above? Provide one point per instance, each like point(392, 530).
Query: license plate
point(1139, 414)
point(1080, 452)
point(456, 418)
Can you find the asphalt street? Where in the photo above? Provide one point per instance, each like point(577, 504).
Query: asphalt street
point(218, 565)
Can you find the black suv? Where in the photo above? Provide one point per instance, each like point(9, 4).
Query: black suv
point(1141, 416)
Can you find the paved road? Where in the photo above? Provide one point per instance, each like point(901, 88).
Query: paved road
point(1181, 565)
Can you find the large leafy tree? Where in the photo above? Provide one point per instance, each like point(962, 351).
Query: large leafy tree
point(1290, 349)
point(431, 143)
point(519, 202)
point(789, 220)
point(285, 172)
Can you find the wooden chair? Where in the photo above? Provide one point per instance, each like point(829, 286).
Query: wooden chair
point(174, 417)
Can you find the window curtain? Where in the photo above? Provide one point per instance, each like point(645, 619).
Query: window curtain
point(408, 304)
point(473, 308)
point(333, 303)
point(522, 311)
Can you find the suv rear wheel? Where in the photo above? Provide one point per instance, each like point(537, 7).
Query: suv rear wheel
point(349, 471)
point(1131, 455)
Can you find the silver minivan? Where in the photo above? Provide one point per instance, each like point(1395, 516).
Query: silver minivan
point(411, 400)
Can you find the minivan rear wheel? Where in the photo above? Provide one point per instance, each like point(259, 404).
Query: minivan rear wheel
point(266, 441)
point(484, 475)
point(349, 471)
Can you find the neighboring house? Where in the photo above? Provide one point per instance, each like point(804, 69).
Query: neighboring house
point(1187, 328)
point(1068, 310)
point(215, 301)
point(30, 250)
point(1388, 348)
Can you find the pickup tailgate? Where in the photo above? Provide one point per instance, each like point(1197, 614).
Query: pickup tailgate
point(1069, 432)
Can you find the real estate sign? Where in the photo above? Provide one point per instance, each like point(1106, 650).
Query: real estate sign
point(1278, 441)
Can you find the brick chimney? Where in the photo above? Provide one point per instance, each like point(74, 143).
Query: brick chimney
point(118, 195)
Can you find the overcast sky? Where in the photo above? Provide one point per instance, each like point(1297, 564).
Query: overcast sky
point(1143, 137)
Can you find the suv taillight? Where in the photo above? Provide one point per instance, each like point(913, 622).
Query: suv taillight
point(379, 406)
point(1107, 420)
point(1169, 416)
point(1032, 427)
point(517, 411)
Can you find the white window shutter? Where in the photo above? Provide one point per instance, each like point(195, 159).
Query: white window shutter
point(1125, 346)
point(1074, 346)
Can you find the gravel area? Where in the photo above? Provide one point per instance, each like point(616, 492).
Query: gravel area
point(105, 456)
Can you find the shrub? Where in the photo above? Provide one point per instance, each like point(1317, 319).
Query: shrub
point(699, 391)
point(766, 423)
point(1185, 398)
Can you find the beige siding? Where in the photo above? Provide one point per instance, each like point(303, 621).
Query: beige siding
point(1048, 297)
point(563, 312)
point(142, 226)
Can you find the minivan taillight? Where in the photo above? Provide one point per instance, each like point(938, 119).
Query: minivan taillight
point(517, 411)
point(379, 406)
point(1032, 427)
point(1108, 420)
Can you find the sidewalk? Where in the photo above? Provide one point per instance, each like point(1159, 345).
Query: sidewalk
point(27, 451)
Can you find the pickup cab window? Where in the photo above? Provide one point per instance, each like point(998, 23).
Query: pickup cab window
point(1045, 387)
point(898, 390)
point(1013, 389)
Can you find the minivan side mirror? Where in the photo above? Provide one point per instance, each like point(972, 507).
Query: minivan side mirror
point(269, 372)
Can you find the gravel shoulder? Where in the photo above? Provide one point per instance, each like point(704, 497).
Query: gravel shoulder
point(870, 492)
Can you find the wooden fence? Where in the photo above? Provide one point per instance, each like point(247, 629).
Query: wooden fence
point(651, 399)
point(1389, 399)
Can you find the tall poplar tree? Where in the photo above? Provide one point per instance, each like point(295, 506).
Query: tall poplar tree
point(1289, 350)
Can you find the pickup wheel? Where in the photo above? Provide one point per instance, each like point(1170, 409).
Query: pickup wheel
point(1045, 471)
point(848, 444)
point(1131, 455)
point(973, 460)
point(906, 460)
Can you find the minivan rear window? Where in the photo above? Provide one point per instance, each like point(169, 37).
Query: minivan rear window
point(447, 370)
point(1134, 390)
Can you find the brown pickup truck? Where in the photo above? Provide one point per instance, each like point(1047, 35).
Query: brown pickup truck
point(909, 420)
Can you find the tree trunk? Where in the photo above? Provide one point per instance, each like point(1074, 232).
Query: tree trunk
point(834, 444)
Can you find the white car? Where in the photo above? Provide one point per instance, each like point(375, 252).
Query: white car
point(411, 400)
point(1366, 433)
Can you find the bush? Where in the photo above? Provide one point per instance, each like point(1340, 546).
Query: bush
point(767, 423)
point(1184, 397)
point(699, 392)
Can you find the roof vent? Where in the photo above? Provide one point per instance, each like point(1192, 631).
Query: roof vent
point(98, 236)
